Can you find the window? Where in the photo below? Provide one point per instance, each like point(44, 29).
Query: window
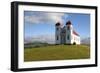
point(68, 37)
point(57, 37)
point(68, 28)
point(57, 29)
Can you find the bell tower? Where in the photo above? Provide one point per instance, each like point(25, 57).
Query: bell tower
point(69, 30)
point(58, 33)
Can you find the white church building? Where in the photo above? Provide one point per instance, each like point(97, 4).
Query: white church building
point(66, 34)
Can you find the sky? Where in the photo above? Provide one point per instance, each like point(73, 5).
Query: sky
point(41, 25)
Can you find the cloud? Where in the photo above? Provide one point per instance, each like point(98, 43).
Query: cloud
point(41, 38)
point(44, 17)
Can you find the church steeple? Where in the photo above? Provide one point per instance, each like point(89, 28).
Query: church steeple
point(58, 24)
point(68, 23)
point(58, 32)
point(66, 34)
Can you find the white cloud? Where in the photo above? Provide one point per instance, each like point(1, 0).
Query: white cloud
point(44, 17)
point(42, 38)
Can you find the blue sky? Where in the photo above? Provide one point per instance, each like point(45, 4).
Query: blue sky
point(43, 23)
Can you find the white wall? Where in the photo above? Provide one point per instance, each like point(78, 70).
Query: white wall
point(58, 34)
point(75, 39)
point(5, 36)
point(69, 33)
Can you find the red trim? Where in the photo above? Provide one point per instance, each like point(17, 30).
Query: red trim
point(75, 33)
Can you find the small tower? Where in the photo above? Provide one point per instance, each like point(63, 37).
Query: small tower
point(69, 32)
point(58, 33)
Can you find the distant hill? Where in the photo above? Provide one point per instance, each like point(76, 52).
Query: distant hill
point(86, 41)
point(47, 40)
point(42, 39)
point(35, 44)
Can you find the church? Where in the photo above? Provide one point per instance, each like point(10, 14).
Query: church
point(66, 34)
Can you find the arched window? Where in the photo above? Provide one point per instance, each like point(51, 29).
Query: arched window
point(57, 29)
point(57, 37)
point(68, 37)
point(68, 28)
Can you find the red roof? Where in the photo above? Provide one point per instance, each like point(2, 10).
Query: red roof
point(75, 33)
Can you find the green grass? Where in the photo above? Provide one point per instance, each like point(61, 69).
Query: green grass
point(57, 52)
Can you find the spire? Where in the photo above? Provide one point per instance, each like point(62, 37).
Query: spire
point(68, 22)
point(58, 24)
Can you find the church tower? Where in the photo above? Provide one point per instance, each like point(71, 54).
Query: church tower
point(69, 32)
point(66, 34)
point(58, 33)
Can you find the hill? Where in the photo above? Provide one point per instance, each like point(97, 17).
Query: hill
point(57, 52)
point(86, 41)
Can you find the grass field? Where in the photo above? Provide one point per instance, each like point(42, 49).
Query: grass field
point(57, 52)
